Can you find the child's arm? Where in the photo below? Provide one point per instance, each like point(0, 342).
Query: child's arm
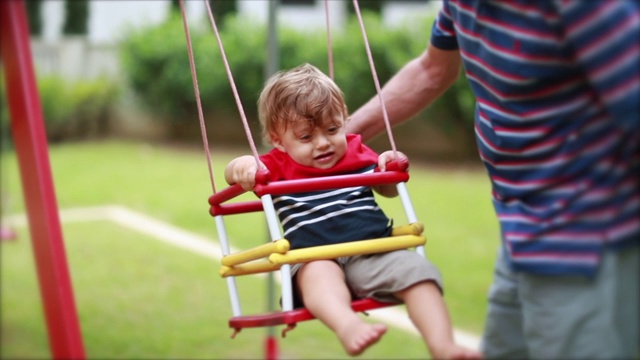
point(242, 170)
point(383, 159)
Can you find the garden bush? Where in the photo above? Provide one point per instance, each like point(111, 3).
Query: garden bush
point(77, 110)
point(155, 61)
point(71, 110)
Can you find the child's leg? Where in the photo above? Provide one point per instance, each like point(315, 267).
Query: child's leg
point(429, 314)
point(326, 295)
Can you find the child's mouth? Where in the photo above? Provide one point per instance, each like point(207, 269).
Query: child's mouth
point(324, 157)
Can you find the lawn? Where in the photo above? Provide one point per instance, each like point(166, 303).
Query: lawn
point(138, 298)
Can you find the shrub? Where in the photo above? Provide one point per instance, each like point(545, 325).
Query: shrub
point(57, 106)
point(156, 63)
point(5, 130)
point(71, 110)
point(94, 102)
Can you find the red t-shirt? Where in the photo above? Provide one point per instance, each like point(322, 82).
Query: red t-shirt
point(283, 167)
point(328, 217)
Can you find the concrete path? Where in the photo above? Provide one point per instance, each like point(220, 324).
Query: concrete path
point(209, 248)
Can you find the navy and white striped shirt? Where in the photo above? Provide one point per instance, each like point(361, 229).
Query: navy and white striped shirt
point(331, 216)
point(557, 122)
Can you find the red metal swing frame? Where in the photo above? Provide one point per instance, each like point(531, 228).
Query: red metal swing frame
point(27, 127)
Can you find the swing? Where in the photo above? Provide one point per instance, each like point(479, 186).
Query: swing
point(276, 254)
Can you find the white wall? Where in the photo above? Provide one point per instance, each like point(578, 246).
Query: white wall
point(109, 20)
point(52, 19)
point(396, 13)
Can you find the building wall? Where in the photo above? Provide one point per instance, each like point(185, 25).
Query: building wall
point(109, 20)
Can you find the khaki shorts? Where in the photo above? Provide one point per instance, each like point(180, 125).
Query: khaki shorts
point(379, 276)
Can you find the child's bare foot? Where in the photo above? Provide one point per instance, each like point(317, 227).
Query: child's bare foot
point(359, 335)
point(455, 352)
point(466, 354)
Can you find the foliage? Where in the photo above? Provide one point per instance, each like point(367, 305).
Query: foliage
point(368, 5)
point(70, 110)
point(390, 49)
point(57, 105)
point(150, 63)
point(34, 16)
point(221, 8)
point(156, 64)
point(76, 18)
point(5, 130)
point(174, 6)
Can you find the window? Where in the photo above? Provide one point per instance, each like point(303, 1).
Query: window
point(298, 2)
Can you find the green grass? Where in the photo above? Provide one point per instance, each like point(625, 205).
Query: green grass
point(138, 298)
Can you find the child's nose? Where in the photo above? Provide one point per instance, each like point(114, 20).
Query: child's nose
point(321, 141)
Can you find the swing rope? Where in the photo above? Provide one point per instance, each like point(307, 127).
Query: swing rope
point(329, 45)
point(196, 89)
point(194, 78)
point(243, 117)
point(245, 123)
point(375, 80)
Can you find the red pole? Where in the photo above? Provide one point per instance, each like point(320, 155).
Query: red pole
point(30, 142)
point(271, 347)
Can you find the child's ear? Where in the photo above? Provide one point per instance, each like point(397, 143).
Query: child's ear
point(277, 142)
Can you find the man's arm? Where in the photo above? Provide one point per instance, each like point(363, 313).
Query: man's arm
point(412, 89)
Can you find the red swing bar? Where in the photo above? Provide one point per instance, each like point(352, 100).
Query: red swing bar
point(292, 317)
point(396, 172)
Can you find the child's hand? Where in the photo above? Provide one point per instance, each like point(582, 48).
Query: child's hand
point(242, 171)
point(388, 156)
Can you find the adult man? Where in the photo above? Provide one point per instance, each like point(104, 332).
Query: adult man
point(557, 85)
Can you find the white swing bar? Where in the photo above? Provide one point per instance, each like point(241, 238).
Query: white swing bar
point(231, 283)
point(409, 211)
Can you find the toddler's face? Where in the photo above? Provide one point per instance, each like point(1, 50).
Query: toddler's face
point(319, 146)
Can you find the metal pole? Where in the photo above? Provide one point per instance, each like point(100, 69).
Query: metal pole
point(272, 66)
point(27, 125)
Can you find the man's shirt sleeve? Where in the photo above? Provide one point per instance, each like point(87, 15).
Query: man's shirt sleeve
point(443, 35)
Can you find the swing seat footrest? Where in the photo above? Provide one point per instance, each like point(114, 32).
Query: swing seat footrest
point(294, 316)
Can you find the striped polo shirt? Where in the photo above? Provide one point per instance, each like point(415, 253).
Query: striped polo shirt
point(333, 216)
point(557, 122)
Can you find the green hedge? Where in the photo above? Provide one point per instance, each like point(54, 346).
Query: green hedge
point(155, 61)
point(71, 110)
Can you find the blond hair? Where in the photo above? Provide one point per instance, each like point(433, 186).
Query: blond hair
point(303, 93)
